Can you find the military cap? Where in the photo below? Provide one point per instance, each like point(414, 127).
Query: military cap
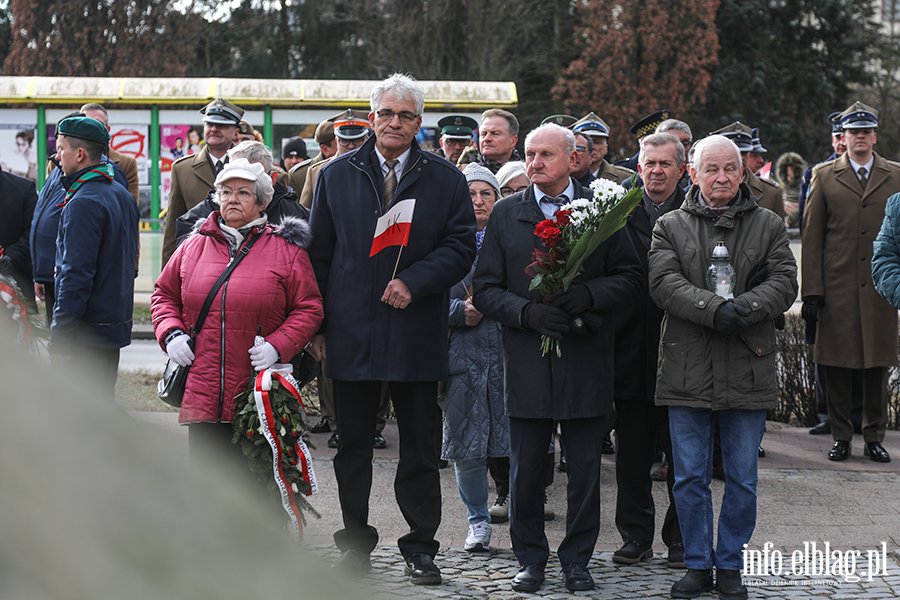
point(835, 123)
point(591, 124)
point(246, 128)
point(222, 112)
point(757, 145)
point(295, 146)
point(859, 116)
point(325, 132)
point(457, 127)
point(561, 120)
point(648, 124)
point(351, 124)
point(84, 128)
point(738, 133)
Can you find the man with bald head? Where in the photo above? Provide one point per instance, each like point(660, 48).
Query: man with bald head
point(574, 387)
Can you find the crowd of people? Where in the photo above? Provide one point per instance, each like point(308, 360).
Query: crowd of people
point(447, 329)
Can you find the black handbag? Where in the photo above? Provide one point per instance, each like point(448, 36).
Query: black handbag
point(170, 388)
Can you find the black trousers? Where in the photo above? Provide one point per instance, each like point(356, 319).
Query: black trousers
point(856, 393)
point(640, 426)
point(417, 484)
point(839, 391)
point(529, 440)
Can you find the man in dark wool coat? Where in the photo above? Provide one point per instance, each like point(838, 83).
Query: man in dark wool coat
point(386, 316)
point(575, 387)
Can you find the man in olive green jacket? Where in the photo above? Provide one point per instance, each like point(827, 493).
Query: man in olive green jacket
point(717, 354)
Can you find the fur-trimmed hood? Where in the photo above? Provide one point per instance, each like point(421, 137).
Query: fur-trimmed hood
point(295, 231)
point(799, 165)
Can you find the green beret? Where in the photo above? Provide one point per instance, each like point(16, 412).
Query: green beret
point(85, 128)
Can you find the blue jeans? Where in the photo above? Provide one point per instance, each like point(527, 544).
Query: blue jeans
point(471, 479)
point(692, 457)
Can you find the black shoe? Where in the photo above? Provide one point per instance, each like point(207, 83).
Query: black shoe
point(379, 443)
point(696, 582)
point(729, 585)
point(632, 553)
point(761, 453)
point(529, 578)
point(823, 428)
point(875, 451)
point(322, 426)
point(421, 570)
point(608, 447)
point(334, 440)
point(840, 451)
point(562, 464)
point(577, 577)
point(353, 562)
point(675, 560)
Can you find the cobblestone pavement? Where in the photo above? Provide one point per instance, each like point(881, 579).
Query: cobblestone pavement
point(468, 575)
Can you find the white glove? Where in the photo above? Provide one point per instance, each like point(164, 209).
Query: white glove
point(180, 351)
point(263, 356)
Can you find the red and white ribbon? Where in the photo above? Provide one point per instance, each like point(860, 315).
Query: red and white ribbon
point(269, 427)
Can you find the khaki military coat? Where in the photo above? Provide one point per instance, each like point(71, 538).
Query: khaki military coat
point(296, 177)
point(857, 328)
point(613, 173)
point(768, 193)
point(192, 178)
point(309, 186)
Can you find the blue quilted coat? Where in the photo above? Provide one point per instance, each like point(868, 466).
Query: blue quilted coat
point(475, 421)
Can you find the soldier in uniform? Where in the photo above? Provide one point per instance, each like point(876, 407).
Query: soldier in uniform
point(456, 136)
point(857, 328)
point(596, 128)
point(641, 129)
point(350, 129)
point(327, 148)
point(767, 192)
point(193, 176)
point(755, 160)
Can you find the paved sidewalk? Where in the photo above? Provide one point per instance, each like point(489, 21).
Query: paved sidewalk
point(803, 499)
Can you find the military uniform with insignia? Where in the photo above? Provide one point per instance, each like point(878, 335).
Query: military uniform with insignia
point(194, 176)
point(456, 136)
point(645, 126)
point(596, 128)
point(349, 126)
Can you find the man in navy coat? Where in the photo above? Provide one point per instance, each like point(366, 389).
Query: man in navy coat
point(386, 316)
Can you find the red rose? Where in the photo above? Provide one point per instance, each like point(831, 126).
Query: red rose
point(550, 236)
point(562, 217)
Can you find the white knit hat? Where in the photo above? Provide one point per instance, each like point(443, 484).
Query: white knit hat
point(475, 172)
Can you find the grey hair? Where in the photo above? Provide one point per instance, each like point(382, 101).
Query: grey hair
point(661, 139)
point(674, 125)
point(713, 141)
point(510, 171)
point(401, 86)
point(567, 134)
point(255, 152)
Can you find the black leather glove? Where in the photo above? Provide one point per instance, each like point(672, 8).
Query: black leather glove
point(810, 310)
point(757, 275)
point(546, 320)
point(576, 300)
point(729, 318)
point(780, 322)
point(6, 266)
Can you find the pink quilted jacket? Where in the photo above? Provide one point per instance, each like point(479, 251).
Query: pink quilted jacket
point(273, 290)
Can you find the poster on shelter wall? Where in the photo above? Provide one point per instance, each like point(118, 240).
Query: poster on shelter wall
point(18, 154)
point(175, 141)
point(134, 141)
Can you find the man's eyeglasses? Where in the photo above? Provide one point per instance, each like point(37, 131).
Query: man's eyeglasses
point(455, 142)
point(580, 149)
point(405, 115)
point(351, 143)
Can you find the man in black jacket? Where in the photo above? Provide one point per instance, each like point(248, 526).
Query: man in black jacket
point(17, 200)
point(641, 424)
point(574, 386)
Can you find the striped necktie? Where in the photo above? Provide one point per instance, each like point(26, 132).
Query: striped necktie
point(390, 183)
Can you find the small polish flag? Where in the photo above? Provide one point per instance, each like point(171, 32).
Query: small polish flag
point(393, 227)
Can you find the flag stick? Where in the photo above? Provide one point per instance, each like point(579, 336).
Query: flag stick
point(397, 263)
